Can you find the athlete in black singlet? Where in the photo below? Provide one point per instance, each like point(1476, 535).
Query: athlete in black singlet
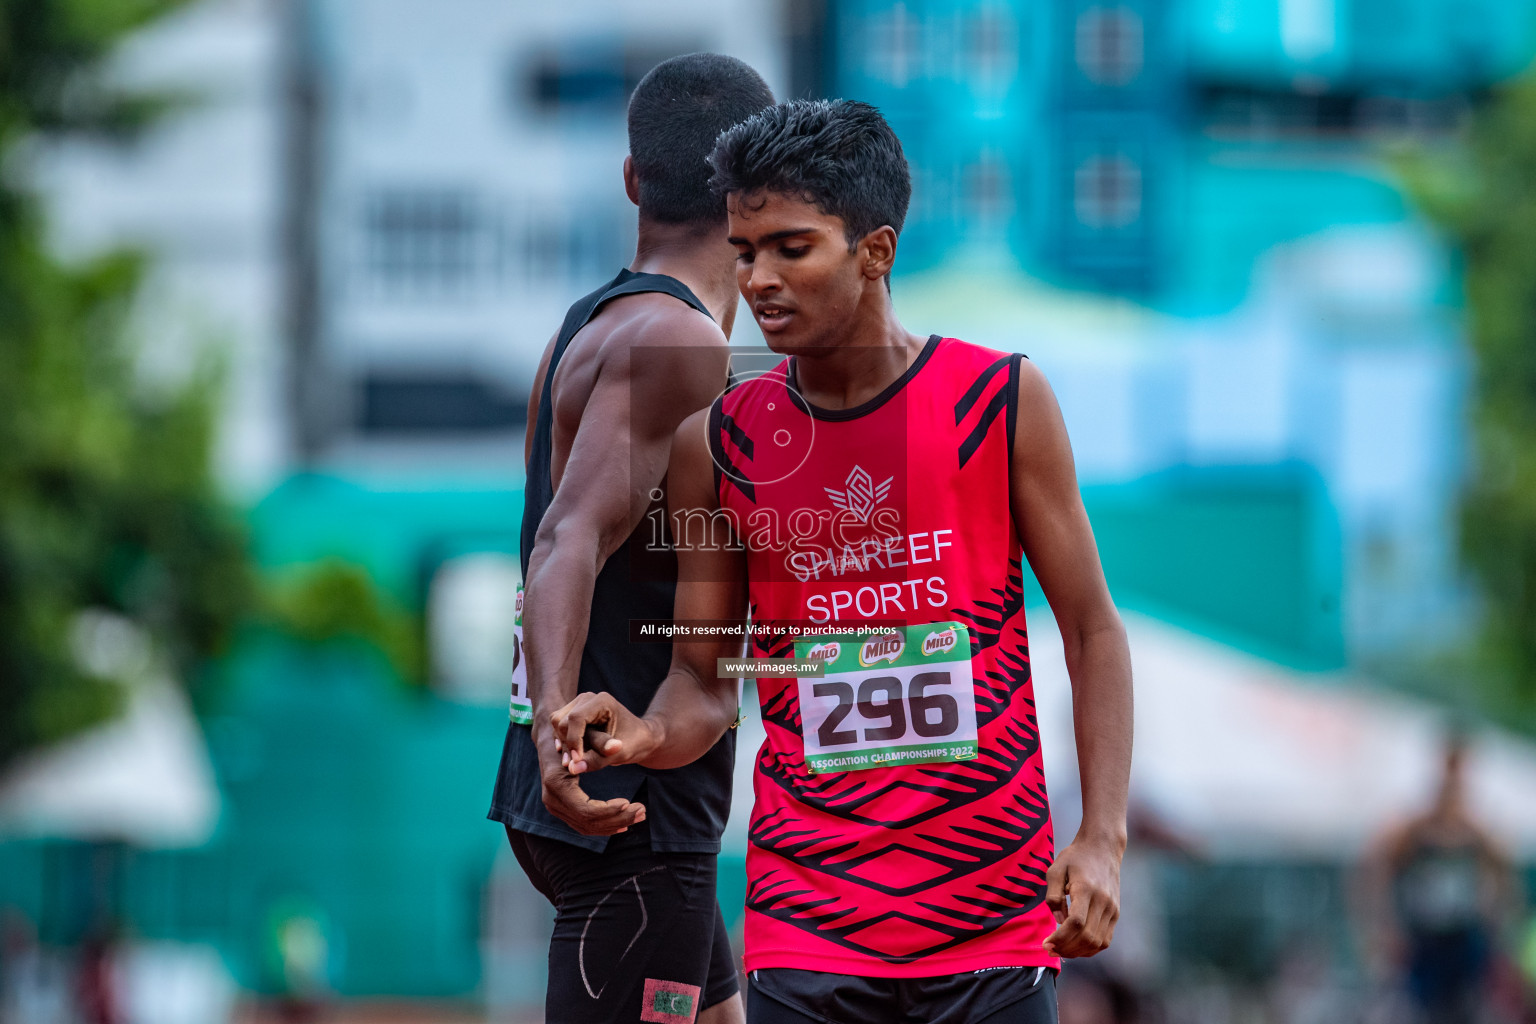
point(1442, 888)
point(628, 859)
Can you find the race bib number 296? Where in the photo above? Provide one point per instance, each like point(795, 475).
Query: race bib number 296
point(520, 710)
point(890, 697)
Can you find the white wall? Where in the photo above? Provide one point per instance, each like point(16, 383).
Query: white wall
point(202, 193)
point(434, 100)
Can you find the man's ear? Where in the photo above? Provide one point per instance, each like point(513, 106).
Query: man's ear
point(877, 252)
point(631, 181)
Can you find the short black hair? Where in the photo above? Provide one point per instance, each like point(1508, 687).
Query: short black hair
point(675, 114)
point(839, 155)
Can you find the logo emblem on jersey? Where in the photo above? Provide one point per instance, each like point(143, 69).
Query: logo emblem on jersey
point(860, 493)
point(825, 652)
point(885, 647)
point(940, 641)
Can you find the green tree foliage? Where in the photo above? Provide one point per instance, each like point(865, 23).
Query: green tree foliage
point(107, 504)
point(108, 508)
point(1485, 199)
point(333, 601)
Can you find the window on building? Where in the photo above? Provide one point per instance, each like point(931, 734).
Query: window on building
point(894, 51)
point(988, 191)
point(991, 48)
point(398, 402)
point(926, 206)
point(564, 242)
point(424, 244)
point(1107, 192)
point(1110, 45)
point(422, 241)
point(545, 248)
point(1242, 112)
point(594, 77)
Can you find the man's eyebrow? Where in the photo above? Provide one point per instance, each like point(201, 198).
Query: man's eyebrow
point(773, 237)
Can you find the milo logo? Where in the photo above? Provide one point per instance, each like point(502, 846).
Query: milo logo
point(519, 608)
point(939, 642)
point(886, 647)
point(825, 652)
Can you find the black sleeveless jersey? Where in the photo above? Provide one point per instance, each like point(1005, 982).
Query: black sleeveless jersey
point(686, 807)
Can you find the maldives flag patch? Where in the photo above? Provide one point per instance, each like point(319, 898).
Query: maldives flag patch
point(669, 1002)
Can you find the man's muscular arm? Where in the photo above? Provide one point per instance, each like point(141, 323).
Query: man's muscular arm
point(676, 364)
point(1048, 513)
point(693, 707)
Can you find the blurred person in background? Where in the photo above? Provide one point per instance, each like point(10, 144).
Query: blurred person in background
point(1122, 985)
point(1440, 894)
point(303, 953)
point(33, 986)
point(1526, 962)
point(96, 981)
point(629, 860)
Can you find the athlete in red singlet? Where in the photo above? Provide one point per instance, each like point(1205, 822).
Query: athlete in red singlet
point(880, 490)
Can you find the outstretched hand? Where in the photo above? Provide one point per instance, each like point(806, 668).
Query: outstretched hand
point(1083, 892)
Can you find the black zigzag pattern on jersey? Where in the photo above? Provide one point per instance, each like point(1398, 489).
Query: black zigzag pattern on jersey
point(738, 436)
point(952, 849)
point(962, 918)
point(996, 686)
point(987, 619)
point(994, 407)
point(776, 637)
point(770, 640)
point(731, 471)
point(973, 392)
point(856, 796)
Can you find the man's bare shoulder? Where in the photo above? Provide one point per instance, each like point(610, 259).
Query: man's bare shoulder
point(664, 348)
point(668, 335)
point(658, 323)
point(1040, 434)
point(1035, 395)
point(696, 423)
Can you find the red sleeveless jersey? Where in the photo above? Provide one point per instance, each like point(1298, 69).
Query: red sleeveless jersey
point(895, 513)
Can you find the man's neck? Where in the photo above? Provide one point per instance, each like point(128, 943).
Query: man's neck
point(701, 259)
point(866, 361)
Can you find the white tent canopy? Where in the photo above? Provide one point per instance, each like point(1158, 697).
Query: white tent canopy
point(144, 778)
point(1252, 759)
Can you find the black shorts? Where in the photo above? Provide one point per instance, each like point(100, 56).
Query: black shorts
point(1000, 995)
point(638, 934)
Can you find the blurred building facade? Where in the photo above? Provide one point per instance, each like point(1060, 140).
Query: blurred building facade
point(1183, 211)
point(202, 193)
point(1226, 163)
point(466, 189)
point(1157, 148)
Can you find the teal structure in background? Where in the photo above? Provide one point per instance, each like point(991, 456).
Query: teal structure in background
point(347, 792)
point(361, 797)
point(1155, 148)
point(360, 791)
point(1250, 556)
